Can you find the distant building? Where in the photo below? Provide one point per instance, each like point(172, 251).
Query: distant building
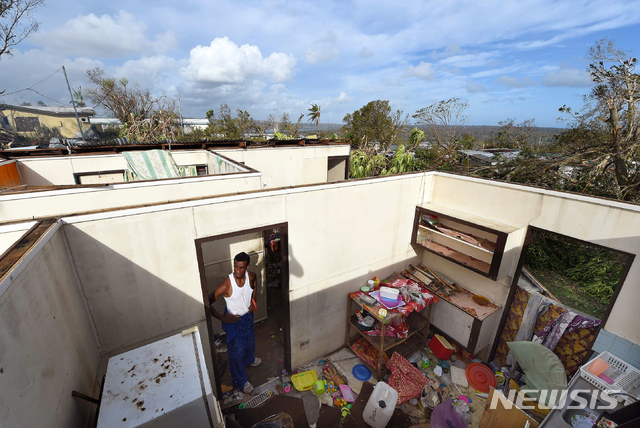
point(27, 119)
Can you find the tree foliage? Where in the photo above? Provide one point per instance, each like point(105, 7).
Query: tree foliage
point(445, 122)
point(314, 116)
point(223, 123)
point(599, 154)
point(289, 128)
point(143, 116)
point(374, 123)
point(16, 22)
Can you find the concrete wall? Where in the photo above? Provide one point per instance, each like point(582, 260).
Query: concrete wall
point(47, 345)
point(608, 223)
point(20, 206)
point(48, 171)
point(288, 166)
point(141, 278)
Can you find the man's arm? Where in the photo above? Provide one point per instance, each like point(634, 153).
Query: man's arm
point(254, 287)
point(221, 290)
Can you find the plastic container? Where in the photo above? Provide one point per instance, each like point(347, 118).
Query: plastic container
point(628, 376)
point(441, 347)
point(598, 366)
point(304, 381)
point(389, 293)
point(380, 406)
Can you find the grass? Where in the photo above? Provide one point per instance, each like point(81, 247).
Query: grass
point(569, 292)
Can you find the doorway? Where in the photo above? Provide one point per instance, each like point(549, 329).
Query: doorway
point(268, 249)
point(576, 278)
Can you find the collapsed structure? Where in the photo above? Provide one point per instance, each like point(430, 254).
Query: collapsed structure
point(93, 266)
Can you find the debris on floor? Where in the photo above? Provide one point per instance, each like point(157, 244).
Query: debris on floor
point(428, 387)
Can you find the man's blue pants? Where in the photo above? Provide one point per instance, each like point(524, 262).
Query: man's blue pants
point(241, 348)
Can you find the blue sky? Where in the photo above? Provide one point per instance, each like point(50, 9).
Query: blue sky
point(512, 59)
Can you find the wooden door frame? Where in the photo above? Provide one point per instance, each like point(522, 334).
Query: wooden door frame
point(516, 277)
point(284, 274)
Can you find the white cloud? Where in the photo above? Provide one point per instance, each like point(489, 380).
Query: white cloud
point(224, 62)
point(424, 71)
point(365, 53)
point(473, 87)
point(343, 98)
point(104, 36)
point(312, 56)
point(147, 71)
point(567, 76)
point(514, 82)
point(470, 60)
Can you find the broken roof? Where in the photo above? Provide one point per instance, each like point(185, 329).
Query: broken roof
point(52, 110)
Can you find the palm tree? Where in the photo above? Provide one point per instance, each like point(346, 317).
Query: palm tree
point(314, 116)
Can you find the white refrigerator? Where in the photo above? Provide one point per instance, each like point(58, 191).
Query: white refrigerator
point(162, 384)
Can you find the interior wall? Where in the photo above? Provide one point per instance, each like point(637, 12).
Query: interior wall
point(218, 262)
point(47, 345)
point(288, 166)
point(60, 202)
point(608, 223)
point(141, 277)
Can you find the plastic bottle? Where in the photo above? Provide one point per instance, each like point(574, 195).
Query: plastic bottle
point(380, 406)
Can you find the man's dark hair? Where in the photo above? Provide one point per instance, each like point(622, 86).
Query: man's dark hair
point(242, 257)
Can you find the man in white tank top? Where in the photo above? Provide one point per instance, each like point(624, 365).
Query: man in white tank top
point(239, 292)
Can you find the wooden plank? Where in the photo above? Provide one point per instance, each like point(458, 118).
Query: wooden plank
point(503, 417)
point(19, 249)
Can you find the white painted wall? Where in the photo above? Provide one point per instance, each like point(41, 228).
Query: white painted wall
point(288, 166)
point(47, 345)
point(140, 272)
point(20, 206)
point(611, 224)
point(47, 171)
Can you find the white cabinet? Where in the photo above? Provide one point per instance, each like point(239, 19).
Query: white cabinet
point(164, 384)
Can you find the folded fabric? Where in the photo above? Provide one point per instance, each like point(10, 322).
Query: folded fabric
point(407, 380)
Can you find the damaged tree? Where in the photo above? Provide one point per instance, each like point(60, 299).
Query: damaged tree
point(143, 116)
point(599, 155)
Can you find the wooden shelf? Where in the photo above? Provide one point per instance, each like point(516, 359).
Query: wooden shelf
point(416, 323)
point(472, 242)
point(453, 238)
point(456, 257)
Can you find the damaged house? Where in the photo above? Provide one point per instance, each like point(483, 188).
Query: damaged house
point(105, 254)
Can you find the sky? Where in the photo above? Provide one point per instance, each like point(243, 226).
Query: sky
point(508, 59)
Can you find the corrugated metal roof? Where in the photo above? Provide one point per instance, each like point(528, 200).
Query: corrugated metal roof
point(49, 109)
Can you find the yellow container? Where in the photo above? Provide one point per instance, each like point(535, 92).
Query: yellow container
point(304, 381)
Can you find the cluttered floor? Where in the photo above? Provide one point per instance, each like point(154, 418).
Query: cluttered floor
point(328, 393)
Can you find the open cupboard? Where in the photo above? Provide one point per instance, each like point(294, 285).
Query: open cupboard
point(484, 247)
point(473, 242)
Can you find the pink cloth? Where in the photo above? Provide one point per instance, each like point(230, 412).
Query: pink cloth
point(407, 380)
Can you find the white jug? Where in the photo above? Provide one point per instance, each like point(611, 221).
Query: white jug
point(380, 406)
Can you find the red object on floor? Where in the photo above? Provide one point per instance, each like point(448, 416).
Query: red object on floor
point(441, 347)
point(407, 380)
point(480, 377)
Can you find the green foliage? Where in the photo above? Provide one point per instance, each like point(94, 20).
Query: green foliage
point(364, 164)
point(224, 124)
point(334, 136)
point(367, 164)
point(401, 162)
point(314, 115)
point(373, 123)
point(416, 137)
point(596, 270)
point(281, 136)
